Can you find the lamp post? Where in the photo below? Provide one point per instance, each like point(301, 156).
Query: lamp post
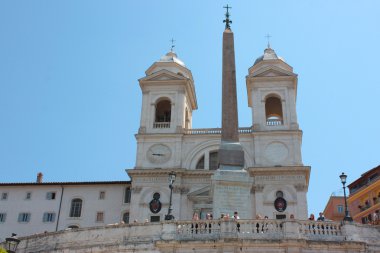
point(169, 216)
point(11, 243)
point(347, 216)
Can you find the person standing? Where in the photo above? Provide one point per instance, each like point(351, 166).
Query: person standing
point(321, 217)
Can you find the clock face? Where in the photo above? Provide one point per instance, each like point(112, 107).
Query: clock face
point(159, 153)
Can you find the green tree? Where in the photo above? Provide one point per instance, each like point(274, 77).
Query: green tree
point(2, 250)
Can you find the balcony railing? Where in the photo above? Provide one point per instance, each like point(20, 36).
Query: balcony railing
point(161, 125)
point(274, 229)
point(274, 122)
point(241, 130)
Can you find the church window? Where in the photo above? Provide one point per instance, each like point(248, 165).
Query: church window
point(213, 160)
point(201, 164)
point(273, 111)
point(76, 208)
point(163, 114)
point(127, 195)
point(208, 161)
point(126, 218)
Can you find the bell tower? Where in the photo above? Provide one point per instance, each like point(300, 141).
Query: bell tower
point(280, 179)
point(168, 96)
point(272, 91)
point(168, 101)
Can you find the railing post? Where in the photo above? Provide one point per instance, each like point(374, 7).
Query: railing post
point(228, 228)
point(169, 230)
point(291, 229)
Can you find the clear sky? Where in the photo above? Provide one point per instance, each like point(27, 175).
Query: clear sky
point(70, 99)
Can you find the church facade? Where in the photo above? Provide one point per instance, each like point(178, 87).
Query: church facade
point(167, 142)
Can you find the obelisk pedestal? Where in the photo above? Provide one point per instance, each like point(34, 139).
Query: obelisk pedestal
point(231, 190)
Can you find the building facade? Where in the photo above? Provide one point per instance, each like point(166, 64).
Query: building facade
point(334, 209)
point(167, 142)
point(364, 199)
point(31, 208)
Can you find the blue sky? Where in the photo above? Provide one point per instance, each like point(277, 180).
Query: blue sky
point(70, 99)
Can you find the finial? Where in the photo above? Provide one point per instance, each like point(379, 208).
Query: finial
point(171, 48)
point(227, 20)
point(268, 38)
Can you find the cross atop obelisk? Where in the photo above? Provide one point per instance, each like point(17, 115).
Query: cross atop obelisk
point(231, 155)
point(227, 20)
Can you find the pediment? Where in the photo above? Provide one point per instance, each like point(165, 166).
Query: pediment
point(272, 71)
point(163, 75)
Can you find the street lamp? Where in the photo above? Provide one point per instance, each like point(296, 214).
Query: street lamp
point(347, 216)
point(11, 243)
point(171, 178)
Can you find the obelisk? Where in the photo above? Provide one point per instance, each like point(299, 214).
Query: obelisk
point(231, 184)
point(231, 155)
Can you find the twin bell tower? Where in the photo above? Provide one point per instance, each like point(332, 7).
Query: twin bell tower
point(255, 170)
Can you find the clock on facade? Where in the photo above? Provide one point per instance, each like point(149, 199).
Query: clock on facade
point(159, 153)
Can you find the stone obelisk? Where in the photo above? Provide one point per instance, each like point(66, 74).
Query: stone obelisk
point(231, 155)
point(231, 184)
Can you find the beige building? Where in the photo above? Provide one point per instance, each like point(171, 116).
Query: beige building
point(33, 208)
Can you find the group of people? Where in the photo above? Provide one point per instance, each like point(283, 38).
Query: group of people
point(320, 218)
point(207, 225)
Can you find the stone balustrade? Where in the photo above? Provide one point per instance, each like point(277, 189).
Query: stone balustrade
point(161, 125)
point(274, 229)
point(213, 234)
point(192, 131)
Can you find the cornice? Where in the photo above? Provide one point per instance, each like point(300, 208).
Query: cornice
point(281, 170)
point(180, 172)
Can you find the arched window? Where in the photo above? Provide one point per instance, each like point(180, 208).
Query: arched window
point(213, 160)
point(273, 111)
point(201, 164)
point(76, 208)
point(163, 114)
